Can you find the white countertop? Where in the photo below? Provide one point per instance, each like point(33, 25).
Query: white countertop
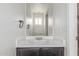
point(40, 41)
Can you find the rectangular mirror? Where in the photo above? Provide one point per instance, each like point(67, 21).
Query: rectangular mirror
point(39, 19)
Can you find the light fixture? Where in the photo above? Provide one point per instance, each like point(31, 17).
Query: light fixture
point(21, 21)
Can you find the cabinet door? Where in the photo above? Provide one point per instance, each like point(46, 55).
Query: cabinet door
point(27, 52)
point(58, 51)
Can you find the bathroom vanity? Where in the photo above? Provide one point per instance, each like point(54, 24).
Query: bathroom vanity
point(44, 33)
point(40, 46)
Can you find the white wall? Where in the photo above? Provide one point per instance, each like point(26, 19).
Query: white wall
point(9, 30)
point(72, 29)
point(60, 20)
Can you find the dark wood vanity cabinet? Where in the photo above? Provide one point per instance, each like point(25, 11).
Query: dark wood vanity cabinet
point(40, 51)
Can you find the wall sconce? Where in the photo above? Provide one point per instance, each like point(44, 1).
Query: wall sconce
point(21, 21)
